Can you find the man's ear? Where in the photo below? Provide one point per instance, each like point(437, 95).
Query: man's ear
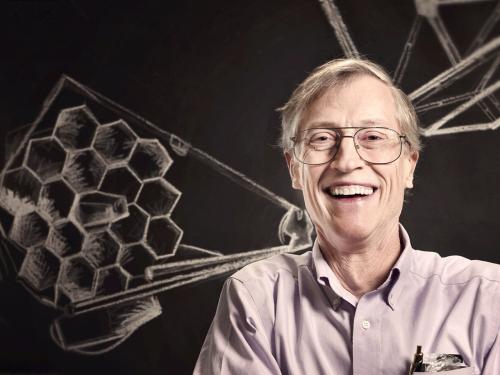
point(294, 169)
point(413, 159)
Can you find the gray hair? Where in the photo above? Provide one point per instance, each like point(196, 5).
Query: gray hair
point(335, 73)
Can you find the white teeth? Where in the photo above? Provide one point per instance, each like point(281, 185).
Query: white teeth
point(351, 190)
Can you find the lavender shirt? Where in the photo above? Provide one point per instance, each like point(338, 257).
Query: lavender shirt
point(289, 315)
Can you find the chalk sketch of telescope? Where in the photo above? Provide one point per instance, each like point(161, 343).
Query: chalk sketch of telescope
point(481, 61)
point(85, 215)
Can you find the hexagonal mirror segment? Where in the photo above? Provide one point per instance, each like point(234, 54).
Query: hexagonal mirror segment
point(77, 279)
point(131, 229)
point(121, 181)
point(114, 141)
point(135, 259)
point(100, 249)
point(150, 159)
point(84, 170)
point(158, 197)
point(65, 239)
point(56, 199)
point(19, 188)
point(29, 229)
point(40, 268)
point(75, 127)
point(110, 280)
point(98, 208)
point(163, 236)
point(45, 157)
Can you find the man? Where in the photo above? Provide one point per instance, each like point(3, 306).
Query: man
point(363, 299)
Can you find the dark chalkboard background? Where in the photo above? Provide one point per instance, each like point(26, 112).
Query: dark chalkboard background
point(213, 72)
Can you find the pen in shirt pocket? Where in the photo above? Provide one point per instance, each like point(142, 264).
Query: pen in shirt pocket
point(436, 362)
point(418, 359)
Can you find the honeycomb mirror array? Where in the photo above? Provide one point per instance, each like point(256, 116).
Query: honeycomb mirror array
point(89, 208)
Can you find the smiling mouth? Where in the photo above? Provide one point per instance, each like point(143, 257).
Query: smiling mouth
point(350, 191)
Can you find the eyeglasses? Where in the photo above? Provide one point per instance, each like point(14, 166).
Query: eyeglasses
point(375, 145)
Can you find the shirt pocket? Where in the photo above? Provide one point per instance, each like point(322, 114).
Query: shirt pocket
point(459, 371)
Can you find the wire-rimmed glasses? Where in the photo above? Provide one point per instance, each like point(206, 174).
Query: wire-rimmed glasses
point(375, 145)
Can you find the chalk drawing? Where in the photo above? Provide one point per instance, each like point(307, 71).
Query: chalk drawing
point(85, 212)
point(483, 50)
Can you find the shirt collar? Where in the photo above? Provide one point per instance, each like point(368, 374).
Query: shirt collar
point(326, 277)
point(392, 286)
point(399, 274)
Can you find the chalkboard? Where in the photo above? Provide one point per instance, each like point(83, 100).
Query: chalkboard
point(141, 167)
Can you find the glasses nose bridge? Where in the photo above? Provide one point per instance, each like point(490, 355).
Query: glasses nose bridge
point(341, 138)
point(344, 157)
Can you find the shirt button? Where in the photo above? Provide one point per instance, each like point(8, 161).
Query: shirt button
point(365, 324)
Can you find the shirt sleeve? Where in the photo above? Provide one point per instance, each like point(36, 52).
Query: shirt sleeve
point(236, 342)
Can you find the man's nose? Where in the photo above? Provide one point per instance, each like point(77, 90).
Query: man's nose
point(347, 158)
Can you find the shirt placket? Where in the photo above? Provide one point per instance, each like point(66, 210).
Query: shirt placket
point(366, 336)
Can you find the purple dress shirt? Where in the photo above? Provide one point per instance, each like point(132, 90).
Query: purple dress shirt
point(290, 315)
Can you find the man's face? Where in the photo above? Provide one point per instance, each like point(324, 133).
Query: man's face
point(363, 101)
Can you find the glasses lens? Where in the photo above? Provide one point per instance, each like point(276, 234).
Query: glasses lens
point(378, 145)
point(317, 146)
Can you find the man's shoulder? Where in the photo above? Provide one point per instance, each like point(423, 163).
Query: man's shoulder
point(453, 269)
point(269, 269)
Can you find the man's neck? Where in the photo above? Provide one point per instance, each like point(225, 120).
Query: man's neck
point(364, 267)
